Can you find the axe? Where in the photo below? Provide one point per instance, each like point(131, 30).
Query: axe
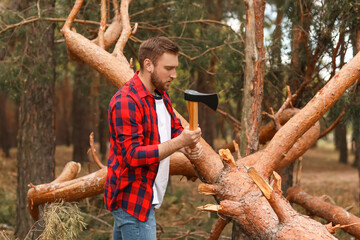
point(193, 97)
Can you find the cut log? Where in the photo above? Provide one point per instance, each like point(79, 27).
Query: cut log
point(70, 171)
point(69, 191)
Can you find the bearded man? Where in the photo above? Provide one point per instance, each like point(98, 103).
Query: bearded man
point(144, 132)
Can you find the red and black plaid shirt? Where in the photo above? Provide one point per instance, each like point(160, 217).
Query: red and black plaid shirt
point(134, 156)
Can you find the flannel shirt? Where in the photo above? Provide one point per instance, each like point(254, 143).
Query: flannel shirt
point(134, 155)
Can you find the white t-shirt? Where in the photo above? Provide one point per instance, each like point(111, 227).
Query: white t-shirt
point(162, 177)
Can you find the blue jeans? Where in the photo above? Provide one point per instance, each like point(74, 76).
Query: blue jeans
point(127, 227)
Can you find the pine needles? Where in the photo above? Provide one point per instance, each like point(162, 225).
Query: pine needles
point(62, 220)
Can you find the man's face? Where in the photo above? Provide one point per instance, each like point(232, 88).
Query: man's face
point(164, 71)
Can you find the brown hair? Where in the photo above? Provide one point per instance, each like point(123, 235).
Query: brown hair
point(153, 48)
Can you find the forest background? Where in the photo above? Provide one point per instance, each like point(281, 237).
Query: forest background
point(306, 43)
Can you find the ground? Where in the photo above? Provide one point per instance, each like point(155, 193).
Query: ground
point(178, 218)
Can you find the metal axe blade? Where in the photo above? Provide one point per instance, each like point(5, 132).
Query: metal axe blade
point(209, 99)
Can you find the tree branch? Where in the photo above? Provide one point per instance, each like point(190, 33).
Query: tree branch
point(318, 207)
point(93, 152)
point(36, 19)
point(102, 24)
point(126, 29)
point(334, 124)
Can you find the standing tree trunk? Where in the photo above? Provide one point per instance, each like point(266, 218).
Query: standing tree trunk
point(253, 86)
point(342, 142)
point(206, 82)
point(254, 77)
point(4, 128)
point(63, 122)
point(300, 57)
point(103, 120)
point(356, 123)
point(81, 110)
point(207, 117)
point(36, 136)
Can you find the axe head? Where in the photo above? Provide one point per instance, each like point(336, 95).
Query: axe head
point(209, 99)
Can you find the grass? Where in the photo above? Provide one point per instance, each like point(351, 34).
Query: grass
point(178, 217)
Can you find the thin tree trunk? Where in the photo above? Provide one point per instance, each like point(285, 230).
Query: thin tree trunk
point(103, 128)
point(206, 83)
point(342, 142)
point(254, 77)
point(206, 115)
point(36, 136)
point(81, 110)
point(300, 32)
point(103, 131)
point(253, 86)
point(63, 122)
point(287, 177)
point(4, 127)
point(356, 123)
point(357, 154)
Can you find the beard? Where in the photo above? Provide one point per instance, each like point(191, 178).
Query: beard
point(155, 80)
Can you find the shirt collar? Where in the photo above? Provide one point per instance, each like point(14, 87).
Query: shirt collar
point(140, 87)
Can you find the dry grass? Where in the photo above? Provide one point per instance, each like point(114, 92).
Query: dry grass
point(178, 217)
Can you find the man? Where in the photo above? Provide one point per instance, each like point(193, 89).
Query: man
point(144, 132)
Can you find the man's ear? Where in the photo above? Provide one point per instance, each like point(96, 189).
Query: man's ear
point(148, 65)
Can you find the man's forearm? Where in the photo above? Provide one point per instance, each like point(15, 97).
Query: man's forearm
point(169, 147)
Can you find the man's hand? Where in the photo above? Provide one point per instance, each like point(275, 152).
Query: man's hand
point(190, 138)
point(186, 139)
point(195, 152)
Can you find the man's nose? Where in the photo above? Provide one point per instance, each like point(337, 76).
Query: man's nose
point(173, 74)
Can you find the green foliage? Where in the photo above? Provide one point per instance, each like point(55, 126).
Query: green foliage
point(62, 221)
point(7, 207)
point(202, 42)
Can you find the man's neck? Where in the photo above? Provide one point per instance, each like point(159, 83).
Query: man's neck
point(146, 80)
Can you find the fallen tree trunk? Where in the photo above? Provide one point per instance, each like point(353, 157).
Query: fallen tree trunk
point(75, 190)
point(236, 186)
point(318, 207)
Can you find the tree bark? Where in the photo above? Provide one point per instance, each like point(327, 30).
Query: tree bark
point(318, 207)
point(205, 81)
point(356, 123)
point(254, 77)
point(81, 109)
point(36, 136)
point(63, 105)
point(103, 131)
point(253, 86)
point(342, 142)
point(300, 32)
point(4, 132)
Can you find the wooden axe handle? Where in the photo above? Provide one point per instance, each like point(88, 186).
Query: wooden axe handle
point(193, 114)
